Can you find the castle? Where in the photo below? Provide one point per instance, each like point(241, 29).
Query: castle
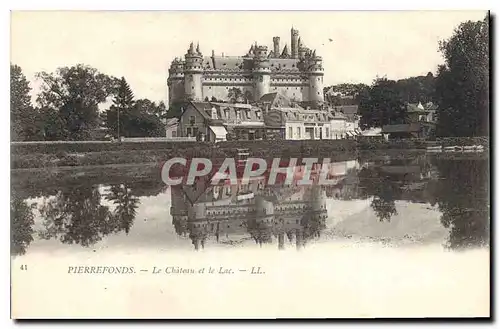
point(297, 74)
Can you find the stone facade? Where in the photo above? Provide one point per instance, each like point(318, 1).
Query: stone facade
point(297, 74)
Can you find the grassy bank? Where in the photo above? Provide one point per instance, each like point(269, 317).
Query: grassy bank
point(102, 154)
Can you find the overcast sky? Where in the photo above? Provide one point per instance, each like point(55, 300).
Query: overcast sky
point(140, 45)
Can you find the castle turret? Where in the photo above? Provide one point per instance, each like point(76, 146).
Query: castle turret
point(193, 73)
point(295, 42)
point(261, 72)
point(315, 73)
point(276, 49)
point(175, 81)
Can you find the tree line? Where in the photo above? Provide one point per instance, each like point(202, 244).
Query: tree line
point(460, 89)
point(68, 107)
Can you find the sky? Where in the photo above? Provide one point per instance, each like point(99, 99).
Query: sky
point(140, 45)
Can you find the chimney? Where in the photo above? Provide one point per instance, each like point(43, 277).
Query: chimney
point(276, 42)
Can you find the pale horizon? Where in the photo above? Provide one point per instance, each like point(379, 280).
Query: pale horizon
point(140, 45)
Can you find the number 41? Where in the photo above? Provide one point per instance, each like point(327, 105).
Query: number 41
point(24, 267)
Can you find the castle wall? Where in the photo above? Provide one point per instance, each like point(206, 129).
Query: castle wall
point(295, 86)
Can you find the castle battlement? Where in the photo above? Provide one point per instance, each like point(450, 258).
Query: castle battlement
point(297, 74)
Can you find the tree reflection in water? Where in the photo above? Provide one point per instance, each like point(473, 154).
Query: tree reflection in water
point(21, 225)
point(382, 188)
point(126, 205)
point(76, 216)
point(463, 198)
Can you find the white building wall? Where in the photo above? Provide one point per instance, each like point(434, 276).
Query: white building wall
point(295, 131)
point(338, 128)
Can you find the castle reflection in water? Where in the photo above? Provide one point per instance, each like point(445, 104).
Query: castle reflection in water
point(265, 213)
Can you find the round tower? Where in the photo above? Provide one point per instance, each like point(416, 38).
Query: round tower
point(175, 81)
point(295, 42)
point(179, 211)
point(261, 72)
point(316, 73)
point(193, 73)
point(318, 207)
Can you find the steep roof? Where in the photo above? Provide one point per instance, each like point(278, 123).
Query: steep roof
point(171, 122)
point(226, 62)
point(202, 107)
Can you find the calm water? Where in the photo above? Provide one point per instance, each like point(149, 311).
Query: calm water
point(412, 202)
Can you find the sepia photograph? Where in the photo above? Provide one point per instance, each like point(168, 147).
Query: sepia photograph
point(250, 164)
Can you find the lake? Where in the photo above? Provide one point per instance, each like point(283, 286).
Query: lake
point(393, 202)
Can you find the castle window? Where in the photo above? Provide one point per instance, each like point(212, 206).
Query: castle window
point(192, 87)
point(293, 65)
point(209, 87)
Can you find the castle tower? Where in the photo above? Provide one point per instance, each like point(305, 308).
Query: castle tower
point(193, 73)
point(315, 73)
point(261, 72)
point(295, 43)
point(319, 212)
point(175, 81)
point(179, 210)
point(276, 49)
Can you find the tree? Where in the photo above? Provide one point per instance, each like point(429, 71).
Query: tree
point(248, 96)
point(74, 94)
point(381, 104)
point(23, 116)
point(417, 89)
point(117, 118)
point(344, 93)
point(235, 95)
point(462, 84)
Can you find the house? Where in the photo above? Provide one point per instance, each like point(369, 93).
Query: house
point(171, 127)
point(297, 123)
point(348, 113)
point(212, 121)
point(242, 121)
point(421, 123)
point(273, 101)
point(200, 120)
